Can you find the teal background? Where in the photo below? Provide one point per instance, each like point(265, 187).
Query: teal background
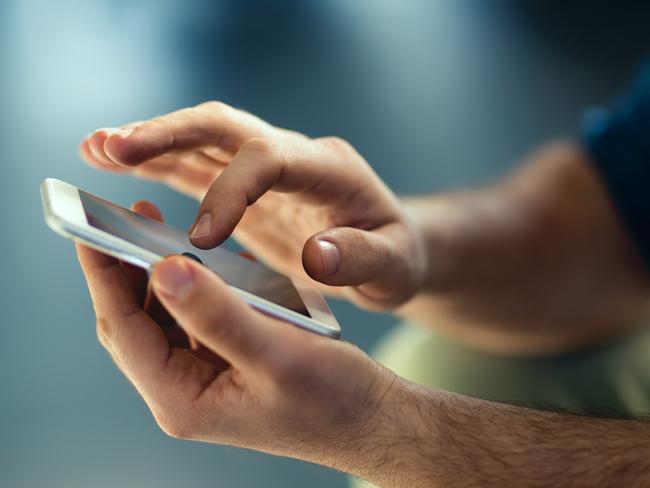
point(435, 94)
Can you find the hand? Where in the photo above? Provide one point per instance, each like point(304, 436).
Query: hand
point(538, 262)
point(265, 384)
point(305, 206)
point(270, 386)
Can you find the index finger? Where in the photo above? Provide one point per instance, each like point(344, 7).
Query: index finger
point(208, 124)
point(320, 172)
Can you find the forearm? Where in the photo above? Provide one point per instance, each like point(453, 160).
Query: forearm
point(433, 438)
point(537, 262)
point(484, 237)
point(477, 243)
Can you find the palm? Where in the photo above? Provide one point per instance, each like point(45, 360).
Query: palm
point(276, 228)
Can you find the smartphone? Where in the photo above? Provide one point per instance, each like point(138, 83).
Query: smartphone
point(141, 241)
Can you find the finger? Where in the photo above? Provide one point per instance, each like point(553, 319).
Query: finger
point(209, 356)
point(148, 209)
point(211, 123)
point(132, 336)
point(259, 166)
point(199, 160)
point(371, 261)
point(96, 145)
point(86, 155)
point(213, 153)
point(161, 374)
point(137, 276)
point(139, 281)
point(192, 180)
point(204, 306)
point(348, 256)
point(176, 337)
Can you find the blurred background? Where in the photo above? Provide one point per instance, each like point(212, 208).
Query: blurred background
point(434, 93)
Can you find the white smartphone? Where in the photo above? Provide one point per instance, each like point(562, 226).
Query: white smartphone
point(142, 241)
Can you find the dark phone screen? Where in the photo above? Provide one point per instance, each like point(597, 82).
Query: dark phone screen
point(161, 239)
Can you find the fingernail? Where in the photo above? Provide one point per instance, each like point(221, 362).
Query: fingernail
point(123, 131)
point(203, 226)
point(119, 131)
point(174, 279)
point(331, 257)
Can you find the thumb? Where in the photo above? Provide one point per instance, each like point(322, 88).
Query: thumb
point(347, 256)
point(208, 310)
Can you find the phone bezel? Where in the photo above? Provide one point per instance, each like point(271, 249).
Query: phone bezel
point(64, 213)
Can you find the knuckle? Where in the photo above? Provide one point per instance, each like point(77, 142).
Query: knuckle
point(102, 340)
point(103, 328)
point(178, 426)
point(212, 106)
point(155, 123)
point(375, 254)
point(366, 246)
point(261, 147)
point(337, 143)
point(364, 253)
point(174, 428)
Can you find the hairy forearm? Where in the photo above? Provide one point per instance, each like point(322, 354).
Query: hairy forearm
point(537, 262)
point(432, 438)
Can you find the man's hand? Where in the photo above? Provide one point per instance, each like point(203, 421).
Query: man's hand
point(246, 379)
point(538, 262)
point(303, 205)
point(250, 380)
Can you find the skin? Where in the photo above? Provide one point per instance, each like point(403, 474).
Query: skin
point(273, 387)
point(322, 190)
point(521, 266)
point(211, 368)
point(537, 263)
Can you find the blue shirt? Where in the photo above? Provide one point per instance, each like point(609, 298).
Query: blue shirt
point(618, 140)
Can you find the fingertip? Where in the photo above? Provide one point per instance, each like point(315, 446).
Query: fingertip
point(139, 142)
point(85, 154)
point(206, 233)
point(204, 306)
point(207, 242)
point(96, 142)
point(148, 209)
point(171, 261)
point(315, 260)
point(95, 145)
point(173, 277)
point(178, 278)
point(202, 231)
point(121, 149)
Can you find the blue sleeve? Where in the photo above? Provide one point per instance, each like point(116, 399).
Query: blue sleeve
point(618, 141)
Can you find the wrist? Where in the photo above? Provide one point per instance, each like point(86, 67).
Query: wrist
point(398, 442)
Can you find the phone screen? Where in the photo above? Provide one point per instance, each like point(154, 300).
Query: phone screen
point(161, 239)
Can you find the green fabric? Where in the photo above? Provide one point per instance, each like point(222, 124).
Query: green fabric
point(610, 379)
